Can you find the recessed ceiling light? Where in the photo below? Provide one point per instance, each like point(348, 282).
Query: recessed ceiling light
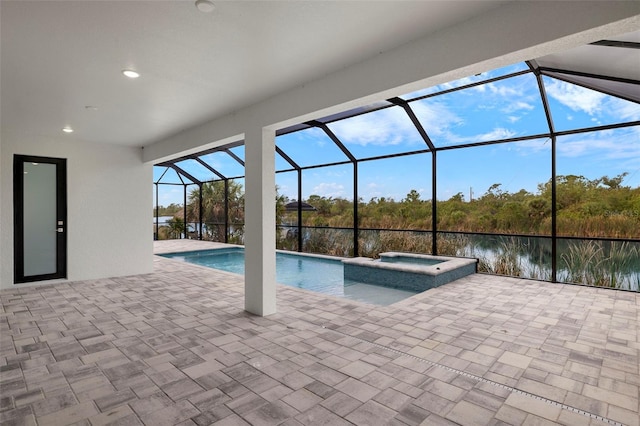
point(205, 6)
point(130, 73)
point(67, 129)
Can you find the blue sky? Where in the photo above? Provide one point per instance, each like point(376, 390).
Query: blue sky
point(498, 110)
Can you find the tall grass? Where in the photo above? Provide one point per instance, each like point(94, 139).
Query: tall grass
point(507, 259)
point(588, 262)
point(614, 226)
point(455, 245)
point(372, 243)
point(335, 242)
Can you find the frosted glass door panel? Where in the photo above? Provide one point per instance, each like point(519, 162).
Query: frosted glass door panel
point(39, 219)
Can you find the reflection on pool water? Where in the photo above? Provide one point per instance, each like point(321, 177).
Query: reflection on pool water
point(319, 274)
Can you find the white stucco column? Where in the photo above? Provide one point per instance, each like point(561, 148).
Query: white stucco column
point(260, 222)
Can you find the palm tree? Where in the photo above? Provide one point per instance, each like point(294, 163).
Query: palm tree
point(213, 213)
point(176, 227)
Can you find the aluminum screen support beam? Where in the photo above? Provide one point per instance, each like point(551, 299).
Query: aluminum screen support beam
point(554, 214)
point(423, 133)
point(298, 170)
point(299, 210)
point(211, 169)
point(434, 204)
point(200, 210)
point(339, 144)
point(356, 221)
point(235, 157)
point(181, 172)
point(554, 206)
point(184, 211)
point(226, 211)
point(157, 237)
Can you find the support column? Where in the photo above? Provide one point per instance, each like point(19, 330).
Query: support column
point(260, 222)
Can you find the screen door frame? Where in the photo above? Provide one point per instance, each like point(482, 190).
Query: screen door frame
point(59, 224)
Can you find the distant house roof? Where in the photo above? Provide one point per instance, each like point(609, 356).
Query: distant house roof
point(293, 206)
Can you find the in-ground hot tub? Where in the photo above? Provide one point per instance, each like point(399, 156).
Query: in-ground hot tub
point(408, 271)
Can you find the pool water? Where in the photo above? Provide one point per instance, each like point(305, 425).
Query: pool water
point(317, 274)
point(411, 260)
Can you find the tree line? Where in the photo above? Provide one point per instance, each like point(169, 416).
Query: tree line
point(602, 207)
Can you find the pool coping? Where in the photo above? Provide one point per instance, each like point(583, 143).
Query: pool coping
point(448, 264)
point(223, 246)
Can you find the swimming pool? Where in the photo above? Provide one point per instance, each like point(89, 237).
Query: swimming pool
point(320, 274)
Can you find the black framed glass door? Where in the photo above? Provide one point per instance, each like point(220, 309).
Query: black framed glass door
point(40, 218)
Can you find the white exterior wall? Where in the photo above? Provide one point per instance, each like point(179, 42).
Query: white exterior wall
point(109, 207)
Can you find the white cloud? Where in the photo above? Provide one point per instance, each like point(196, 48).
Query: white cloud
point(517, 106)
point(284, 189)
point(627, 111)
point(172, 195)
point(504, 90)
point(436, 118)
point(575, 97)
point(312, 135)
point(621, 146)
point(440, 123)
point(513, 118)
point(390, 126)
point(329, 189)
point(495, 134)
point(597, 105)
point(464, 81)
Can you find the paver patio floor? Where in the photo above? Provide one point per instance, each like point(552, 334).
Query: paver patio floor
point(176, 347)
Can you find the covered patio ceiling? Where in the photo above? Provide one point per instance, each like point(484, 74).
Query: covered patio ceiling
point(61, 60)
